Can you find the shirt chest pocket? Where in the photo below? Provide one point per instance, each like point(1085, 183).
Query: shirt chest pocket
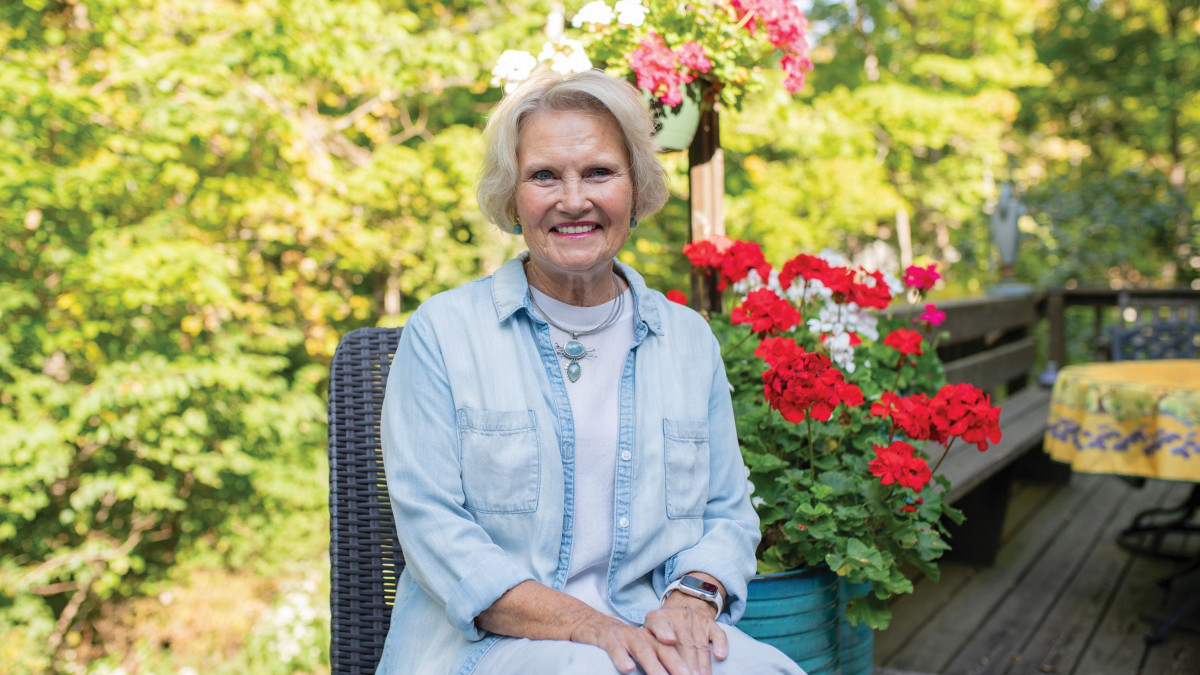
point(501, 470)
point(685, 448)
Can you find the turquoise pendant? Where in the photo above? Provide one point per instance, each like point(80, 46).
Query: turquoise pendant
point(574, 351)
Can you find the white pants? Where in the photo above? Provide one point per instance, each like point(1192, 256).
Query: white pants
point(520, 656)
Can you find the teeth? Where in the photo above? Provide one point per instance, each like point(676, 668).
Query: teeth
point(576, 229)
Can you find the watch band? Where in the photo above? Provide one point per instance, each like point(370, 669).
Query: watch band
point(697, 588)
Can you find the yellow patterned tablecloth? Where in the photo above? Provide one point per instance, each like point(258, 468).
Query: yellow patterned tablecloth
point(1131, 418)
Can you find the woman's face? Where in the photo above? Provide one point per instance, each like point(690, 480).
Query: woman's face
point(574, 198)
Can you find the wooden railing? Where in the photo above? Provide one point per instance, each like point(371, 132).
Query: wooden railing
point(992, 340)
point(1106, 305)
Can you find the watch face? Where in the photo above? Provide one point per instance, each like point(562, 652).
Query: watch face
point(698, 584)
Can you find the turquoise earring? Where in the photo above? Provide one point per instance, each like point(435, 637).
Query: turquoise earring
point(633, 223)
point(516, 228)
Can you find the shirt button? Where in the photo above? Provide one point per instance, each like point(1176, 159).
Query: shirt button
point(624, 522)
point(627, 455)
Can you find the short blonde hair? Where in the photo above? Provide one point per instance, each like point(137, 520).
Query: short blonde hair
point(591, 91)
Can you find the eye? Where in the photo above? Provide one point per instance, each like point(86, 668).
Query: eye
point(600, 173)
point(542, 176)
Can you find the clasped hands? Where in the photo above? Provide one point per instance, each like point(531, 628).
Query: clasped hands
point(675, 640)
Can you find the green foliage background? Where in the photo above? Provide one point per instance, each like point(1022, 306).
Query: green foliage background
point(197, 198)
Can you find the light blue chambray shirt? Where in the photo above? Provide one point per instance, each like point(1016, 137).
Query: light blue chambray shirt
point(478, 446)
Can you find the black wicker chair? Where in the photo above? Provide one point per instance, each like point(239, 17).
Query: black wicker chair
point(365, 560)
point(1159, 340)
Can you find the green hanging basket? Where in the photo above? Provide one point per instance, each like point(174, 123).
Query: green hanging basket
point(676, 126)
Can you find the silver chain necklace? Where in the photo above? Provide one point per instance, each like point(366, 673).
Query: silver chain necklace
point(574, 351)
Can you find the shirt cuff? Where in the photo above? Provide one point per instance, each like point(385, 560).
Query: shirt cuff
point(478, 591)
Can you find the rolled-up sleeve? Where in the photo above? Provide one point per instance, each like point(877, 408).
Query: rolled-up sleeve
point(448, 554)
point(731, 534)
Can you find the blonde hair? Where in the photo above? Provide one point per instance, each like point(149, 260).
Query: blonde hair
point(591, 91)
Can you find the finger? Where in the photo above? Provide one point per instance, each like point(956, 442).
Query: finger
point(621, 659)
point(720, 642)
point(649, 658)
point(675, 660)
point(659, 625)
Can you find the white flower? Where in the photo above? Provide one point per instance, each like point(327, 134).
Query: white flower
point(596, 12)
point(513, 67)
point(565, 56)
point(631, 12)
point(751, 282)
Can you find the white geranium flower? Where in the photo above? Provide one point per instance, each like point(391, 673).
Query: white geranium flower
point(565, 56)
point(631, 12)
point(512, 68)
point(597, 13)
point(751, 282)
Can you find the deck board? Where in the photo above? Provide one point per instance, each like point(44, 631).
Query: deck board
point(939, 640)
point(1064, 633)
point(1062, 597)
point(1002, 634)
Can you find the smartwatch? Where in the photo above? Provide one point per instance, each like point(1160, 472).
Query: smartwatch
point(697, 588)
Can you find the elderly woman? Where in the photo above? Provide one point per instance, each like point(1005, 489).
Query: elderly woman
point(558, 438)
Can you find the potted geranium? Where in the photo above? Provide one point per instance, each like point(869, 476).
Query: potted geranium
point(686, 54)
point(834, 400)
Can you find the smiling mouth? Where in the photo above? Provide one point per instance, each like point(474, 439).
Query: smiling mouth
point(575, 228)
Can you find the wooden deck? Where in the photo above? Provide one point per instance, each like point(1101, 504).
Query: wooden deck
point(1061, 598)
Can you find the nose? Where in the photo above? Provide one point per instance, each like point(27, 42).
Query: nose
point(573, 198)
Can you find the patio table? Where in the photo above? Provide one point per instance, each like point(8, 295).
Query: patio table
point(1135, 419)
point(1130, 418)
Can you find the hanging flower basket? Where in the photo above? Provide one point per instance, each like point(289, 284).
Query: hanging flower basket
point(676, 125)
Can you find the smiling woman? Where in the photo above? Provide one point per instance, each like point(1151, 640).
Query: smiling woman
point(558, 438)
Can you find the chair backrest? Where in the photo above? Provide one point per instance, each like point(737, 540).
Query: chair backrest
point(365, 559)
point(1160, 340)
point(1152, 327)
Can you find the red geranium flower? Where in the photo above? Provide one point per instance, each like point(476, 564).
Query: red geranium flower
point(703, 253)
point(911, 415)
point(904, 341)
point(897, 464)
point(740, 258)
point(766, 312)
point(675, 295)
point(802, 384)
point(956, 411)
point(877, 296)
point(808, 266)
point(962, 410)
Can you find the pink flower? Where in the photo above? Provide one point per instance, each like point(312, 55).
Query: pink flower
point(933, 316)
point(921, 278)
point(654, 63)
point(662, 71)
point(691, 56)
point(787, 29)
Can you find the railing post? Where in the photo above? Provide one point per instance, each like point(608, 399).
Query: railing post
point(1056, 313)
point(706, 193)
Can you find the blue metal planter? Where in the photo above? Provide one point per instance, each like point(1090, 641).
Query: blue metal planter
point(857, 642)
point(799, 613)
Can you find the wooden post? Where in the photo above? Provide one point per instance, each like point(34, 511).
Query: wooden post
point(706, 194)
point(1056, 312)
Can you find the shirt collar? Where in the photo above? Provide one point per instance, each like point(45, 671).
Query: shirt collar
point(510, 292)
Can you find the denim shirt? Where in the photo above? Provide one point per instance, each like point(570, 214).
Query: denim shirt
point(478, 447)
